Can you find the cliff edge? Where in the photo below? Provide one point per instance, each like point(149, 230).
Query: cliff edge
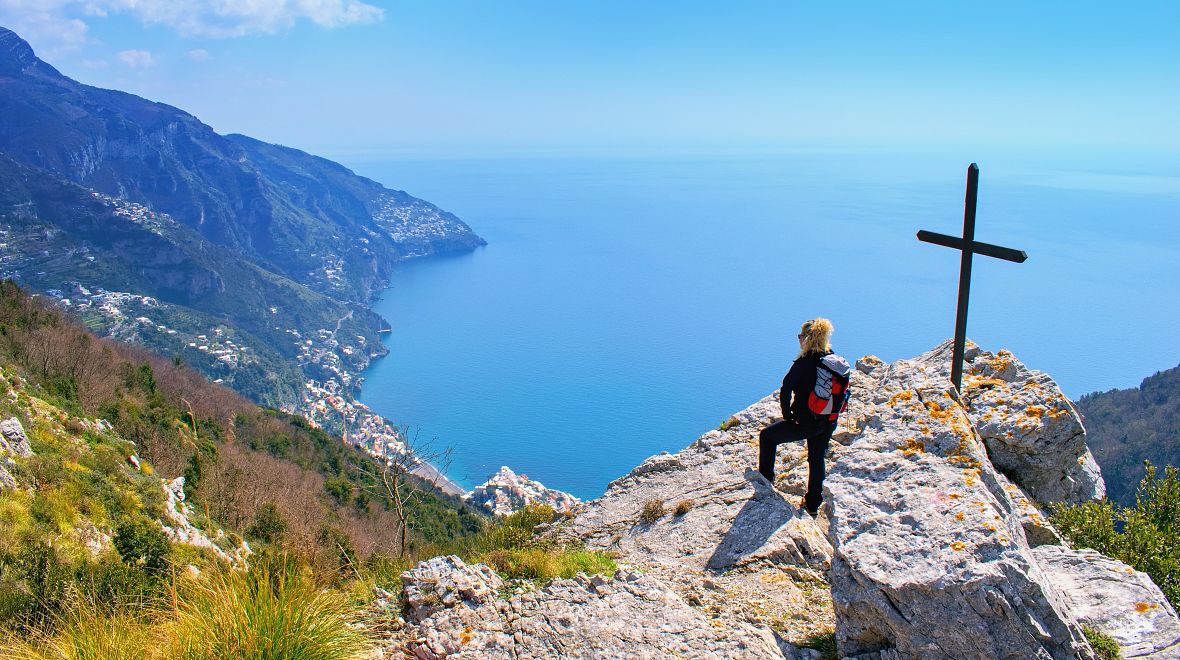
point(932, 542)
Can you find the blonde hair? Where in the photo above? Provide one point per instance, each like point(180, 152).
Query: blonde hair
point(815, 335)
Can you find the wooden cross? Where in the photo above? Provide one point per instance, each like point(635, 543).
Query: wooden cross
point(969, 246)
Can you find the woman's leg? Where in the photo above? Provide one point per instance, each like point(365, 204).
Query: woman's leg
point(768, 441)
point(817, 449)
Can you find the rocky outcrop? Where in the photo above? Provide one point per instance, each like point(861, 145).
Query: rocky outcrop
point(507, 491)
point(1032, 431)
point(924, 547)
point(13, 438)
point(1115, 599)
point(930, 554)
point(705, 523)
point(182, 530)
point(456, 611)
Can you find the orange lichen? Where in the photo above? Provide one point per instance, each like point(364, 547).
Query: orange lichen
point(1142, 607)
point(904, 395)
point(913, 447)
point(959, 516)
point(465, 637)
point(1035, 411)
point(958, 546)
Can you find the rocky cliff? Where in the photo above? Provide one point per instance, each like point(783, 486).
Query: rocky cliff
point(932, 542)
point(507, 491)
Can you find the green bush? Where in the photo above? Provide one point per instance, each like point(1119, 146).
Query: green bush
point(268, 524)
point(1146, 536)
point(142, 543)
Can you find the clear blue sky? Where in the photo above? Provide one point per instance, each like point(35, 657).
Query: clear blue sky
point(481, 77)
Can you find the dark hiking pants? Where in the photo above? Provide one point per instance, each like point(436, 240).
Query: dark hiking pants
point(818, 436)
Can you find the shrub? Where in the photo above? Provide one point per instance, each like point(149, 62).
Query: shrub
point(272, 611)
point(824, 642)
point(728, 424)
point(142, 543)
point(683, 507)
point(268, 524)
point(652, 511)
point(1149, 538)
point(1105, 646)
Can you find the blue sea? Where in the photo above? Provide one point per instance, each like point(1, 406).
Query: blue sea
point(624, 306)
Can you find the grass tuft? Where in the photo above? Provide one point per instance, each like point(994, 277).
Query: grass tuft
point(272, 611)
point(652, 511)
point(1105, 646)
point(683, 507)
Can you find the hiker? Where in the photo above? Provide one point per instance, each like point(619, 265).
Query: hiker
point(813, 396)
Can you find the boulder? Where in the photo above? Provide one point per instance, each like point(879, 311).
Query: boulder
point(7, 481)
point(456, 611)
point(1115, 599)
point(14, 438)
point(930, 555)
point(1033, 433)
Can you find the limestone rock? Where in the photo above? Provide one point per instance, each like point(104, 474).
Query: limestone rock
point(14, 438)
point(1032, 431)
point(728, 542)
point(1115, 599)
point(182, 530)
point(7, 481)
point(507, 491)
point(930, 557)
point(455, 611)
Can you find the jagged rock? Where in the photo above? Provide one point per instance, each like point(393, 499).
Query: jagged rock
point(455, 611)
point(931, 559)
point(1115, 599)
point(14, 438)
point(740, 549)
point(7, 481)
point(1032, 431)
point(507, 491)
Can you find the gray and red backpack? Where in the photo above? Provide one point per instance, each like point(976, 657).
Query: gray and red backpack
point(830, 394)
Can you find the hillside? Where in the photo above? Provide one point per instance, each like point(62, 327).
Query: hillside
point(1127, 427)
point(252, 262)
point(120, 437)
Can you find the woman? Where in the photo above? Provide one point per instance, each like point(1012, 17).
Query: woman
point(800, 406)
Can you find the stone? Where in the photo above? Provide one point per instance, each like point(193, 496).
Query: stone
point(7, 481)
point(15, 440)
point(930, 557)
point(1033, 432)
point(455, 611)
point(741, 550)
point(180, 529)
point(507, 491)
point(1115, 599)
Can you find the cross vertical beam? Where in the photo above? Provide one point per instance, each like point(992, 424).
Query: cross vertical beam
point(969, 246)
point(965, 276)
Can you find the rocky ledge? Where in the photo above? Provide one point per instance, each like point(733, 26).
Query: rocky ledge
point(932, 542)
point(507, 491)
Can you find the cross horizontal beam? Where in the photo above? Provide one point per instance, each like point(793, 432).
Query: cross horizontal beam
point(1007, 254)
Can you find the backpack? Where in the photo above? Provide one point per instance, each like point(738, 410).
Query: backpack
point(830, 394)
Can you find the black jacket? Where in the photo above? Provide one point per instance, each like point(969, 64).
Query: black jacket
point(797, 385)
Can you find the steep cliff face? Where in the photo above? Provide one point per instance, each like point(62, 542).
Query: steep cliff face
point(307, 218)
point(924, 547)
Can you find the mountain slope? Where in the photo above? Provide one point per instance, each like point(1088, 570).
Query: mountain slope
point(1127, 427)
point(296, 214)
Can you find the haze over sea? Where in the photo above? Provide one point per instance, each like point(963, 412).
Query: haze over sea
point(626, 305)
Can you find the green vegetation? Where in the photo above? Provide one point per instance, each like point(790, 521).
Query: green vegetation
point(1145, 536)
point(824, 642)
point(86, 570)
point(1105, 646)
point(1124, 428)
point(728, 424)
